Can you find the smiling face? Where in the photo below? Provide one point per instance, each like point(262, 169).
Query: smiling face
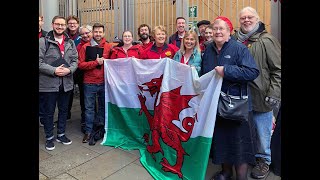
point(189, 41)
point(209, 33)
point(221, 32)
point(73, 25)
point(159, 35)
point(98, 33)
point(85, 34)
point(143, 32)
point(59, 26)
point(181, 24)
point(248, 18)
point(127, 38)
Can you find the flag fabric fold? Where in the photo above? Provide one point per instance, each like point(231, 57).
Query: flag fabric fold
point(162, 108)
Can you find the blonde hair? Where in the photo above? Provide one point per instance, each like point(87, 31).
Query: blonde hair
point(250, 9)
point(195, 36)
point(161, 28)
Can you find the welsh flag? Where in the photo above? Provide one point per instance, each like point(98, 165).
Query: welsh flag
point(162, 108)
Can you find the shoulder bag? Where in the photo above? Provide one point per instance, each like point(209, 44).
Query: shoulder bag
point(231, 107)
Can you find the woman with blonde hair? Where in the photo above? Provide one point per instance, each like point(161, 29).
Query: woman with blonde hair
point(189, 53)
point(159, 49)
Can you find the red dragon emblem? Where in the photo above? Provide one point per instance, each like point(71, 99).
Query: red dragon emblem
point(161, 125)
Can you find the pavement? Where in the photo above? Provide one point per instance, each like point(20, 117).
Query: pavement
point(79, 161)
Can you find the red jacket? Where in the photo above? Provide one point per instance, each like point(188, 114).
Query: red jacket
point(80, 45)
point(133, 51)
point(168, 50)
point(92, 74)
point(147, 45)
point(201, 43)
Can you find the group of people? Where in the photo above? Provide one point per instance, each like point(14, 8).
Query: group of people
point(249, 56)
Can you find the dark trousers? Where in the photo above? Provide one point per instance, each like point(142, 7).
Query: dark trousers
point(48, 106)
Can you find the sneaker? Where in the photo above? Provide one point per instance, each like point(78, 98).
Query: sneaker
point(50, 145)
point(64, 140)
point(260, 170)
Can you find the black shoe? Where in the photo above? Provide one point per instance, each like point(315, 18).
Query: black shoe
point(219, 176)
point(50, 145)
point(64, 140)
point(86, 138)
point(260, 170)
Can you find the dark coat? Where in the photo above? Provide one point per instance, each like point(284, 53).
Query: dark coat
point(266, 51)
point(239, 65)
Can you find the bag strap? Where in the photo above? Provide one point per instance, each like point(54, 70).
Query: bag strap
point(239, 85)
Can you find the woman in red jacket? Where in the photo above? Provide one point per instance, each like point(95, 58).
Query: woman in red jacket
point(127, 50)
point(160, 49)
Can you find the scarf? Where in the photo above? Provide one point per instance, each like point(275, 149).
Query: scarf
point(243, 37)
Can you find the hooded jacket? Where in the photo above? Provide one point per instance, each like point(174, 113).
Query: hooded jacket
point(266, 51)
point(92, 74)
point(48, 54)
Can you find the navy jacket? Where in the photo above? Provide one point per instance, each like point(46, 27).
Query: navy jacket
point(239, 65)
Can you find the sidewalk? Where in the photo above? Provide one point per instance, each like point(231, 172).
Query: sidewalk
point(79, 161)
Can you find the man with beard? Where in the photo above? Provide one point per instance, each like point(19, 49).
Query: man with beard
point(266, 88)
point(175, 38)
point(144, 34)
point(58, 60)
point(93, 78)
point(202, 25)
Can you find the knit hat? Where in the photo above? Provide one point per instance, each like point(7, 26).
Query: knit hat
point(206, 22)
point(225, 19)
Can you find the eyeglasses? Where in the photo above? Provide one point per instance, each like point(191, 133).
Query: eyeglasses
point(58, 24)
point(219, 28)
point(72, 23)
point(85, 33)
point(127, 36)
point(246, 17)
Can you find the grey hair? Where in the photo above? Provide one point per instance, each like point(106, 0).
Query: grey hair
point(250, 9)
point(85, 26)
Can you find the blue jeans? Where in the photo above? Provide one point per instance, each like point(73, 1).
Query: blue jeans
point(48, 106)
point(91, 92)
point(263, 124)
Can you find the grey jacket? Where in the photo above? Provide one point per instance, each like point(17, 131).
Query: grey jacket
point(266, 50)
point(48, 81)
